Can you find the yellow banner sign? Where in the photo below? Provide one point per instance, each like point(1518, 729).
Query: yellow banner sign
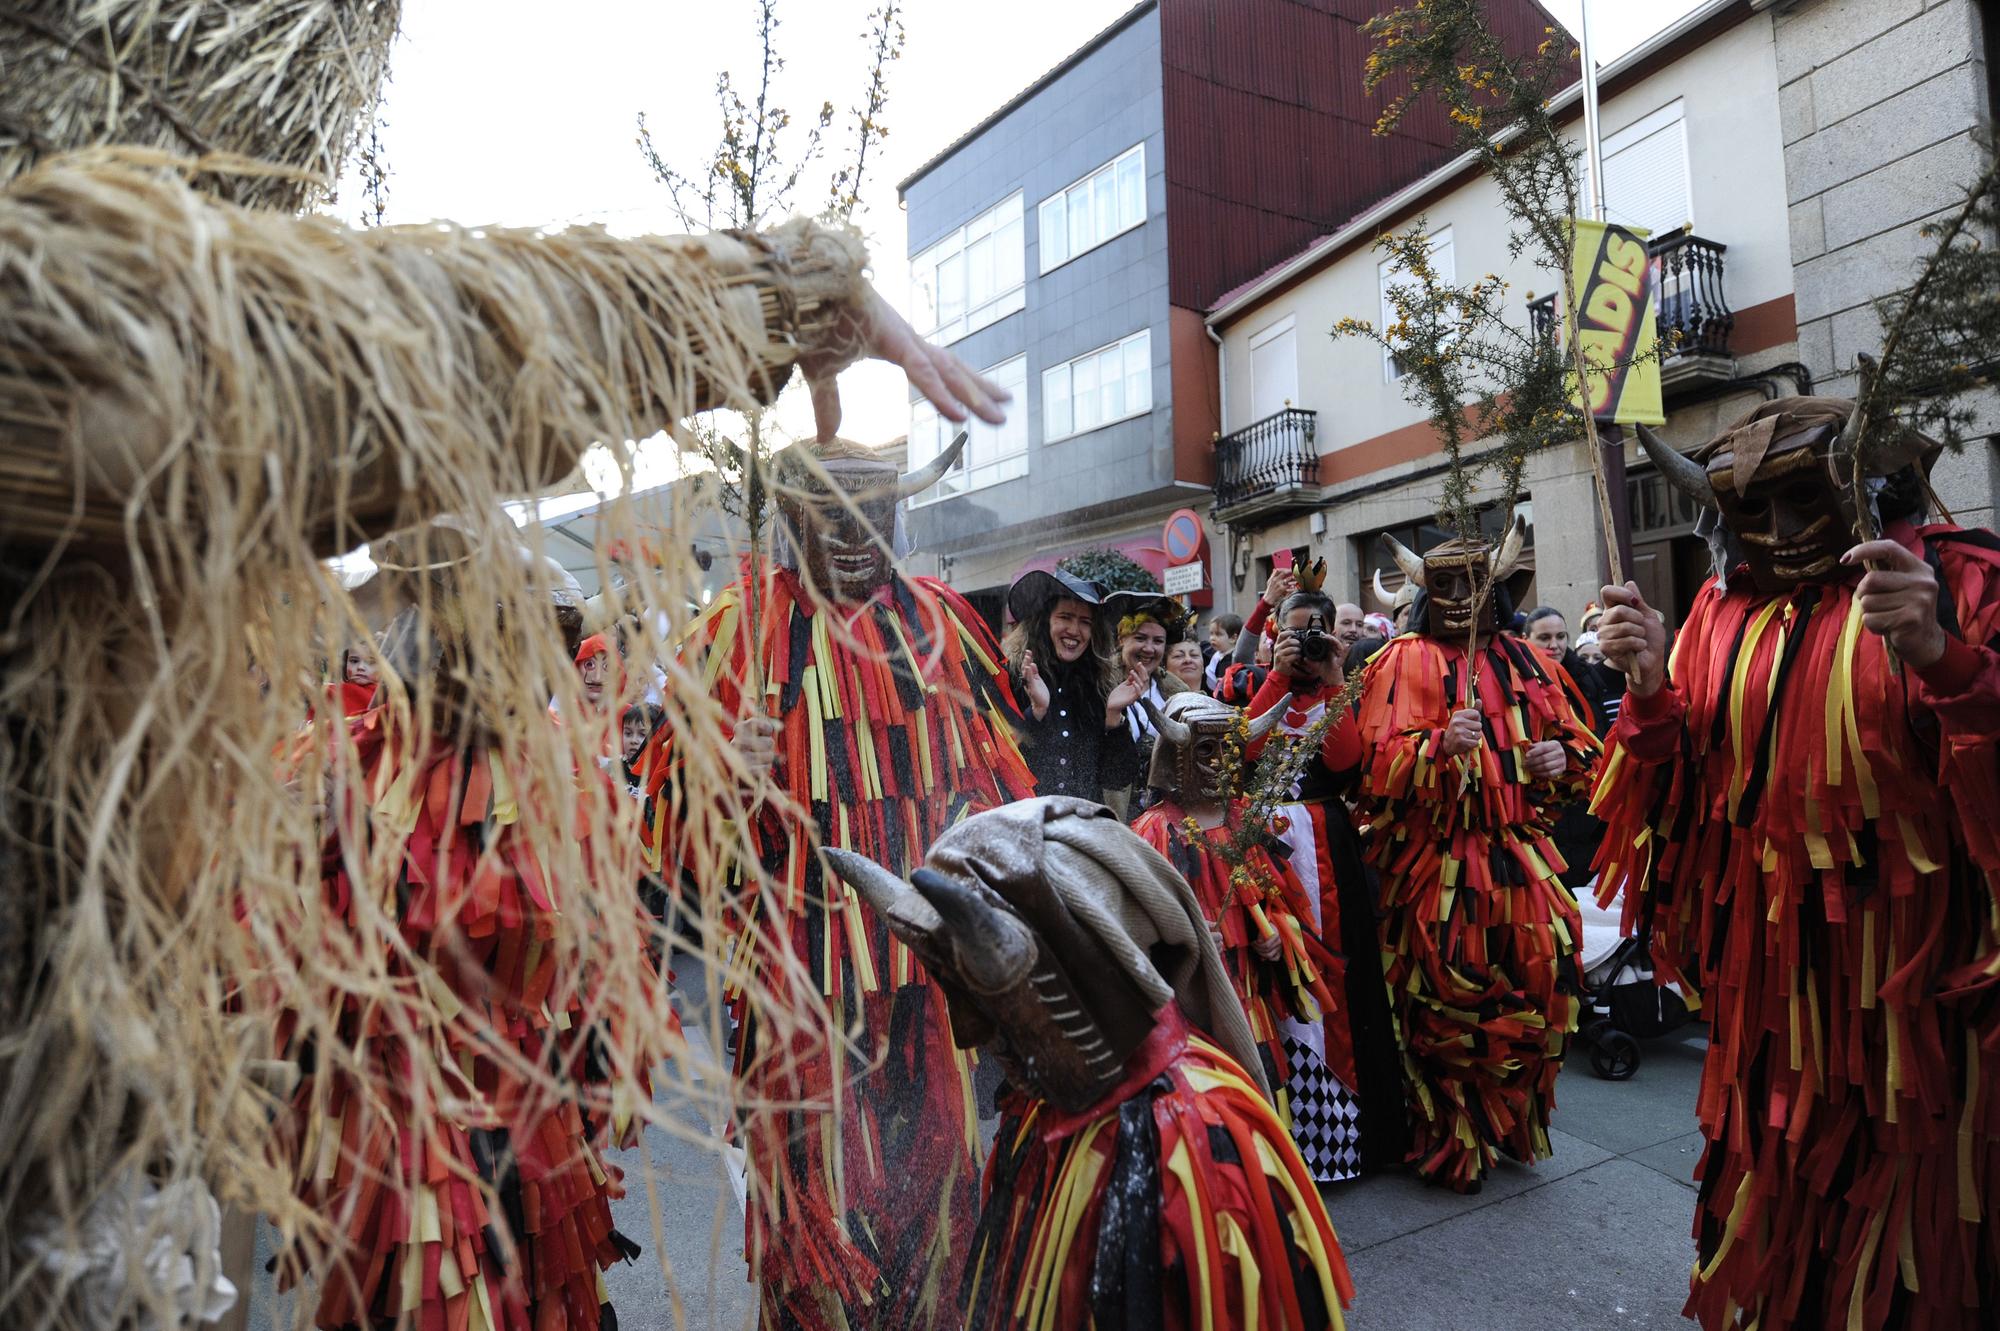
point(1616, 287)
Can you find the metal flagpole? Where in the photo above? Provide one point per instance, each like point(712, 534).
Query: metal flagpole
point(1611, 438)
point(1593, 143)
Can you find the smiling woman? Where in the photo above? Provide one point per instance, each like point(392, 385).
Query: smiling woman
point(1059, 653)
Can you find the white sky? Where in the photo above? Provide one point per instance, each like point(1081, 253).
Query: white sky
point(501, 113)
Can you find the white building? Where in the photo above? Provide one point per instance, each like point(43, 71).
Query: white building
point(1782, 157)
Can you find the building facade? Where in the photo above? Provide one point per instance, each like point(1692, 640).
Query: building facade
point(1717, 140)
point(1069, 244)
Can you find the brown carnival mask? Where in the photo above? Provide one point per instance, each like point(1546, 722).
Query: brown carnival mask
point(1458, 579)
point(1194, 733)
point(1778, 479)
point(838, 503)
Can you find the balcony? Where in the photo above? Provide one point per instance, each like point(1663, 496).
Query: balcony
point(1268, 467)
point(1693, 317)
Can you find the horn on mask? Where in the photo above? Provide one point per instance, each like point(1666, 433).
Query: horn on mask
point(1174, 732)
point(1406, 559)
point(1681, 472)
point(1263, 725)
point(907, 912)
point(994, 950)
point(924, 477)
point(1510, 549)
point(1383, 594)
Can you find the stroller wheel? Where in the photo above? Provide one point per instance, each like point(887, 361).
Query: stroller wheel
point(1614, 1055)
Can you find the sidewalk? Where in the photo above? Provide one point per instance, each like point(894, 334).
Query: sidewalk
point(1597, 1237)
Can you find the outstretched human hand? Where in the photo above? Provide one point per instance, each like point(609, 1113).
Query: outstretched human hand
point(882, 334)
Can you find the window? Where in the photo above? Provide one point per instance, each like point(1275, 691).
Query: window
point(1646, 174)
point(1274, 369)
point(971, 278)
point(1387, 275)
point(1110, 384)
point(1109, 200)
point(993, 454)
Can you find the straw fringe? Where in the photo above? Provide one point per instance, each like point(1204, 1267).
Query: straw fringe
point(207, 401)
point(285, 82)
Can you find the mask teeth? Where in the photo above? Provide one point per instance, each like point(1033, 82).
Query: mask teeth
point(1073, 1023)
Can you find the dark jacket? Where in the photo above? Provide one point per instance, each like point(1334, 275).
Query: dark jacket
point(1069, 750)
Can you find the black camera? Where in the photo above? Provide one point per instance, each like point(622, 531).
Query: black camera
point(1315, 645)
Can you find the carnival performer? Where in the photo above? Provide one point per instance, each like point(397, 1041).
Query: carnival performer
point(880, 708)
point(210, 395)
point(1469, 755)
point(517, 1151)
point(1073, 730)
point(1347, 1085)
point(1801, 810)
point(1254, 904)
point(1140, 1177)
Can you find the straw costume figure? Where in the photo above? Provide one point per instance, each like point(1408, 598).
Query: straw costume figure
point(1253, 902)
point(1470, 756)
point(1140, 1177)
point(1801, 809)
point(202, 396)
point(881, 710)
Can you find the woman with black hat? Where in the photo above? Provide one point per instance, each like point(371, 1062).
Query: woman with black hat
point(1073, 731)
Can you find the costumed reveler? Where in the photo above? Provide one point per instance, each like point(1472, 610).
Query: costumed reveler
point(1146, 624)
point(1140, 1177)
point(880, 706)
point(1801, 810)
point(1469, 758)
point(477, 990)
point(1073, 729)
point(206, 395)
point(1347, 1082)
point(1253, 902)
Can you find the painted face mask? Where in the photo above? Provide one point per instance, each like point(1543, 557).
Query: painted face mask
point(1194, 732)
point(838, 504)
point(1459, 578)
point(1778, 479)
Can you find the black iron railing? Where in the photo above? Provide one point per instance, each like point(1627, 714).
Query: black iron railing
point(1266, 456)
point(1694, 317)
point(1692, 314)
point(1542, 318)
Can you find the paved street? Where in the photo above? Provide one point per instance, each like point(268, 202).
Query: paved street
point(1595, 1238)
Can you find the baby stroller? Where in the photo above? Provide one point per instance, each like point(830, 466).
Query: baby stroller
point(1621, 1004)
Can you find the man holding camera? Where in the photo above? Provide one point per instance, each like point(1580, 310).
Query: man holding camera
point(1340, 1129)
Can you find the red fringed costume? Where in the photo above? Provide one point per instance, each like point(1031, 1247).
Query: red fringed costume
point(1479, 931)
point(896, 725)
point(1263, 900)
point(1180, 1195)
point(495, 1214)
point(1812, 837)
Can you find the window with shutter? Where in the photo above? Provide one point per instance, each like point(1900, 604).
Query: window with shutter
point(1646, 174)
point(1274, 369)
